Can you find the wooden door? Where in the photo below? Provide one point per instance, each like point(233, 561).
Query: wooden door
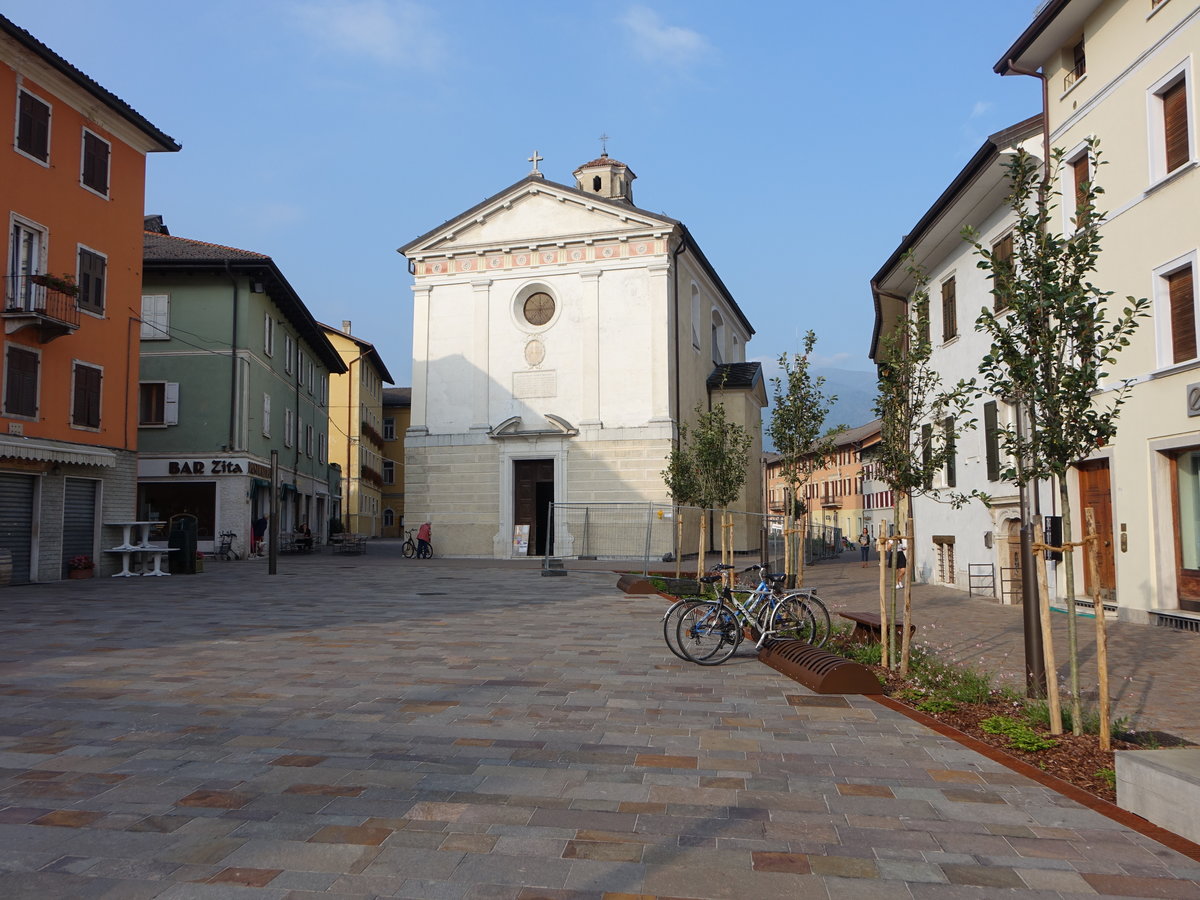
point(1185, 510)
point(1095, 492)
point(533, 491)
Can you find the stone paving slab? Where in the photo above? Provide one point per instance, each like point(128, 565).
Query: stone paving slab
point(467, 731)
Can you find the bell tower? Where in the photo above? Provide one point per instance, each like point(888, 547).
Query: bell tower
point(606, 177)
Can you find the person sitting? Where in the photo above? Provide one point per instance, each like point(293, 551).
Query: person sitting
point(304, 538)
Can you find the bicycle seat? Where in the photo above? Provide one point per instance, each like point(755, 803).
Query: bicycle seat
point(711, 579)
point(776, 577)
point(721, 567)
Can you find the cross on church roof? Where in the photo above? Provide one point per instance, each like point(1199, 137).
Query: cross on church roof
point(603, 144)
point(535, 159)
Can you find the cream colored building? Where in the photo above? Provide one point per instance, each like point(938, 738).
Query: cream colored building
point(356, 430)
point(1126, 73)
point(397, 415)
point(560, 335)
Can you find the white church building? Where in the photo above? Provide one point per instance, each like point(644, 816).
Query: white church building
point(560, 335)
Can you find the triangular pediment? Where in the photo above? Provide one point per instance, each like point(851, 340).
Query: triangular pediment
point(535, 211)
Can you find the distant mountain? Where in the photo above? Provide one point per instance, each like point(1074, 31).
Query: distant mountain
point(855, 404)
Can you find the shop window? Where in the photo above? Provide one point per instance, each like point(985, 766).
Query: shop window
point(159, 501)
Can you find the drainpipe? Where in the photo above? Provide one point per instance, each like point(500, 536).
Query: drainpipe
point(679, 248)
point(1035, 662)
point(233, 363)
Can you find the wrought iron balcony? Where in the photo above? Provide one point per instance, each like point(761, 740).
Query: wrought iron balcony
point(54, 312)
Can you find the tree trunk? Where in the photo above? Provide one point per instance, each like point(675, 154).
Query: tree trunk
point(801, 548)
point(1072, 630)
point(703, 540)
point(906, 635)
point(678, 541)
point(1093, 557)
point(1053, 703)
point(885, 633)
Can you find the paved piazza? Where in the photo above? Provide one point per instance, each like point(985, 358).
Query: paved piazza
point(481, 732)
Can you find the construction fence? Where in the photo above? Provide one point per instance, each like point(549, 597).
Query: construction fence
point(649, 534)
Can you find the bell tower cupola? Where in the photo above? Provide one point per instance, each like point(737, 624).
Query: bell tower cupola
point(606, 177)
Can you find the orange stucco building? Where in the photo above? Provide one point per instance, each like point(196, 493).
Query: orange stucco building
point(72, 184)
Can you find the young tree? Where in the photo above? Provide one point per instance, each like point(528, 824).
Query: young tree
point(709, 466)
point(1052, 342)
point(798, 411)
point(680, 478)
point(920, 424)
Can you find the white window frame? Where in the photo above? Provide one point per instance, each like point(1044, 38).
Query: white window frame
point(266, 415)
point(321, 446)
point(156, 322)
point(37, 397)
point(1156, 121)
point(289, 424)
point(389, 428)
point(104, 287)
point(268, 334)
point(324, 398)
point(76, 363)
point(44, 163)
point(389, 471)
point(308, 441)
point(310, 374)
point(42, 235)
point(1162, 308)
point(1067, 171)
point(108, 162)
point(289, 351)
point(170, 407)
point(718, 336)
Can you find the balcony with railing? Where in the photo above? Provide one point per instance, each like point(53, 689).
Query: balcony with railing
point(43, 303)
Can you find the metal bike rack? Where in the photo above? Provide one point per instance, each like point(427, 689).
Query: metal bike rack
point(819, 670)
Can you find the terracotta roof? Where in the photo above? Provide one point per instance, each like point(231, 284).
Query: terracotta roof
point(604, 160)
point(105, 96)
point(367, 348)
point(159, 247)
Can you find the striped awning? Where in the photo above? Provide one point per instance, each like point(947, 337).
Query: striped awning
point(12, 447)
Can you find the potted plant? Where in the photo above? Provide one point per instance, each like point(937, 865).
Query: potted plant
point(199, 561)
point(80, 566)
point(64, 284)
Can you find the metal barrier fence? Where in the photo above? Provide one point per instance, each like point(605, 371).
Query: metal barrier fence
point(649, 533)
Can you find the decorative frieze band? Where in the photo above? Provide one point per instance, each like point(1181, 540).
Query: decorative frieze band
point(549, 256)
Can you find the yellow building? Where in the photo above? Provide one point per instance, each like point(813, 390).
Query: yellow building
point(1124, 71)
point(397, 415)
point(356, 440)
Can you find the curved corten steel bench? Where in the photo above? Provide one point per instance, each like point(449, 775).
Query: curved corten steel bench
point(818, 670)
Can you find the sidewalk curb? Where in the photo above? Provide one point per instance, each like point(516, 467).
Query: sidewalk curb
point(1082, 797)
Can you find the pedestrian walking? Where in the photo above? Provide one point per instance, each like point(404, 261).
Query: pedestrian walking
point(864, 546)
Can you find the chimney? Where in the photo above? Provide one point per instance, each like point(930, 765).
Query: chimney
point(346, 325)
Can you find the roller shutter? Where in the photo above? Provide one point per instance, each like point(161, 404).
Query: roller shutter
point(16, 522)
point(79, 520)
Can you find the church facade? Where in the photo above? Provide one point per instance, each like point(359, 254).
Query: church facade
point(560, 336)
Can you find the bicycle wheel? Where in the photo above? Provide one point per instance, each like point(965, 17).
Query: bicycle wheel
point(409, 549)
point(426, 552)
point(671, 623)
point(709, 633)
point(821, 613)
point(791, 619)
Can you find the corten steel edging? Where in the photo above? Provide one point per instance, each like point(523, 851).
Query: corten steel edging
point(1124, 817)
point(817, 669)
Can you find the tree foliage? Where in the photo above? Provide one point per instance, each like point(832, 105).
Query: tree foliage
point(799, 408)
point(1051, 337)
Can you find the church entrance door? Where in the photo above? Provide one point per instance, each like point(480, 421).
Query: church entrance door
point(533, 492)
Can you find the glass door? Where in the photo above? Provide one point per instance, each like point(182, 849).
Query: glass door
point(1185, 478)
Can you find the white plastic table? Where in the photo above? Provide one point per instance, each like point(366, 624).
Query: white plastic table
point(143, 537)
point(128, 554)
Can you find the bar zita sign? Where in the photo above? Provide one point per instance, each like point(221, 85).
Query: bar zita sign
point(199, 467)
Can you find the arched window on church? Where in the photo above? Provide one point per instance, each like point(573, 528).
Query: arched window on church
point(718, 338)
point(596, 183)
point(695, 317)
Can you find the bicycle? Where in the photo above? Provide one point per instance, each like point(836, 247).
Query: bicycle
point(670, 620)
point(410, 548)
point(225, 547)
point(710, 631)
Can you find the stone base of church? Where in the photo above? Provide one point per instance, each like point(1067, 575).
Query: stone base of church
point(465, 486)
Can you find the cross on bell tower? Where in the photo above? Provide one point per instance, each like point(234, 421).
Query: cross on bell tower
point(535, 159)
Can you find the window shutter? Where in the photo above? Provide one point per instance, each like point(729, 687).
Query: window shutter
point(1002, 266)
point(156, 317)
point(266, 415)
point(95, 162)
point(171, 403)
point(949, 310)
point(951, 453)
point(91, 281)
point(33, 127)
point(927, 451)
point(1082, 175)
point(86, 407)
point(1175, 124)
point(1183, 315)
point(991, 438)
point(21, 389)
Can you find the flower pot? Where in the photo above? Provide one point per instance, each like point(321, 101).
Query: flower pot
point(75, 574)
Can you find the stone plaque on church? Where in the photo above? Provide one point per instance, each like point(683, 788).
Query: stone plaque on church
point(534, 384)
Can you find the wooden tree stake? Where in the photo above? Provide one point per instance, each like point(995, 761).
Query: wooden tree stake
point(1053, 702)
point(1093, 557)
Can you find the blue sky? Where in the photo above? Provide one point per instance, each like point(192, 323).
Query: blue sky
point(798, 140)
